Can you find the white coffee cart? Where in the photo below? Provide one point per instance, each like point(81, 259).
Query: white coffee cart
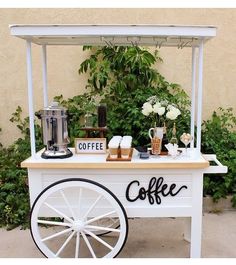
point(81, 205)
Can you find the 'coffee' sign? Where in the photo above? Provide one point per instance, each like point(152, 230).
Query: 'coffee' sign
point(90, 145)
point(154, 192)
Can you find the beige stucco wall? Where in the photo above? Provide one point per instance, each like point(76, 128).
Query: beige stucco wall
point(63, 62)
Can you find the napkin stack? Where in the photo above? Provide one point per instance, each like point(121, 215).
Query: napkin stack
point(172, 149)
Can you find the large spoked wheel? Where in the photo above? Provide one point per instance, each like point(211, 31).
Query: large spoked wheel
point(71, 219)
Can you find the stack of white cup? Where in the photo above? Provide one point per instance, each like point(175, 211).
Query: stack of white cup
point(125, 146)
point(124, 143)
point(113, 146)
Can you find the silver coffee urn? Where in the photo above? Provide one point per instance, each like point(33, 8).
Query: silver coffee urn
point(55, 133)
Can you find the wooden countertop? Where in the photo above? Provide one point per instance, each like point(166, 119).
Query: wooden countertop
point(98, 161)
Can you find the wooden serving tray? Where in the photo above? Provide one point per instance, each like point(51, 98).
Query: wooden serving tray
point(161, 154)
point(119, 158)
point(165, 153)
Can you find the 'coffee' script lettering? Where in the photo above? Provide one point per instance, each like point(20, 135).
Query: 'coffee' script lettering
point(154, 190)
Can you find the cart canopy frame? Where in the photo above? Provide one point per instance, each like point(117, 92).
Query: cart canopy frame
point(178, 36)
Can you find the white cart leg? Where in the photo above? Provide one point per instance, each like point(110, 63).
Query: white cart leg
point(187, 229)
point(196, 220)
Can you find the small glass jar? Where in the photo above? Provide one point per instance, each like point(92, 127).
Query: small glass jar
point(88, 120)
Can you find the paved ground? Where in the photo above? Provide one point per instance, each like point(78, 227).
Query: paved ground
point(160, 237)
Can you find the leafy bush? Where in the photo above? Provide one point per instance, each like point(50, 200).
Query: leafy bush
point(219, 137)
point(77, 108)
point(14, 197)
point(124, 78)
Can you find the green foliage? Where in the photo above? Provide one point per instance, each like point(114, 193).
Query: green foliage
point(14, 198)
point(77, 107)
point(219, 137)
point(124, 78)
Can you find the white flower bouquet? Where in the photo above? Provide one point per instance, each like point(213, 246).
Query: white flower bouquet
point(159, 110)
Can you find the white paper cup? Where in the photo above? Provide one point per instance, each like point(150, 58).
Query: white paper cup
point(125, 152)
point(113, 152)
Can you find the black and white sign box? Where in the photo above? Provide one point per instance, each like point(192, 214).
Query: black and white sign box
point(90, 145)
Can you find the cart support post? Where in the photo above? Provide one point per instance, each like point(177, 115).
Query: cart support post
point(193, 105)
point(45, 79)
point(187, 229)
point(30, 97)
point(196, 218)
point(199, 96)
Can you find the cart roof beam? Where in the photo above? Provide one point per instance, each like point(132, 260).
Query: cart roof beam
point(118, 35)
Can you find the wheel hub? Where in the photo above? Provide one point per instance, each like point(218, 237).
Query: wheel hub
point(78, 226)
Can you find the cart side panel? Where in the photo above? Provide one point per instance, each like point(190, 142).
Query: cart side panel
point(126, 185)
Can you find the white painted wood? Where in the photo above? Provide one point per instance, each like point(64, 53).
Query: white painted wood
point(119, 187)
point(100, 173)
point(135, 212)
point(193, 95)
point(199, 96)
point(30, 98)
point(45, 78)
point(35, 184)
point(98, 34)
point(196, 217)
point(165, 202)
point(118, 183)
point(180, 211)
point(219, 168)
point(187, 229)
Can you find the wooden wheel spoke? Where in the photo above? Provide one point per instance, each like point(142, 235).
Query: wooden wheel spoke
point(68, 204)
point(99, 217)
point(77, 245)
point(65, 243)
point(57, 234)
point(79, 202)
point(88, 245)
point(91, 207)
point(98, 239)
point(59, 212)
point(110, 229)
point(53, 223)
